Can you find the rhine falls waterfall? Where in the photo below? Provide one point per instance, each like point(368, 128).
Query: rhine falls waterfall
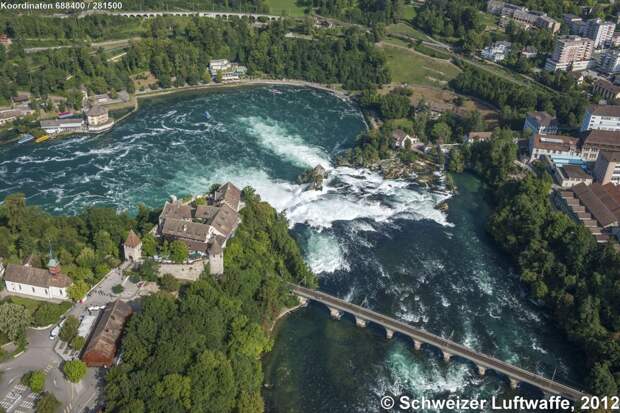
point(375, 242)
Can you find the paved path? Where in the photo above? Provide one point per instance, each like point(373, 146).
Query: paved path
point(448, 348)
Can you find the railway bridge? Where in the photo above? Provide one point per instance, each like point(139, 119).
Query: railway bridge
point(448, 348)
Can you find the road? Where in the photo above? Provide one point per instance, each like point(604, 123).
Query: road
point(109, 44)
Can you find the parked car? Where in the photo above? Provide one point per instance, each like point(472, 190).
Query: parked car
point(56, 330)
point(96, 307)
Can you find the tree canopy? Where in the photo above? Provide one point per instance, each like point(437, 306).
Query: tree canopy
point(177, 359)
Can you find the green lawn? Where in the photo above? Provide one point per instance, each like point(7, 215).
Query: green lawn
point(407, 30)
point(285, 7)
point(409, 67)
point(409, 12)
point(48, 313)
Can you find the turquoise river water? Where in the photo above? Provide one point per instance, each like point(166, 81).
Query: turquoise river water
point(376, 242)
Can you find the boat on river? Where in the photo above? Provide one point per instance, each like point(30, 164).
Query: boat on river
point(42, 138)
point(207, 115)
point(26, 137)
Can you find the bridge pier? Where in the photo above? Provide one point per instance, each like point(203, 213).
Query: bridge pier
point(513, 383)
point(335, 313)
point(481, 370)
point(389, 333)
point(446, 356)
point(360, 322)
point(417, 345)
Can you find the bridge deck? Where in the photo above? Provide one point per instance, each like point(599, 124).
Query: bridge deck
point(447, 346)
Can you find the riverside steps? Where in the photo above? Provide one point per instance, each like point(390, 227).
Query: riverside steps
point(449, 349)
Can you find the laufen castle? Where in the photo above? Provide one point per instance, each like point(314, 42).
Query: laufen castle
point(205, 228)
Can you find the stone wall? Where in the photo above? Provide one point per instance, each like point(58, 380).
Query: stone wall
point(187, 272)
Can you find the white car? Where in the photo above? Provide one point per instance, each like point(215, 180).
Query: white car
point(96, 307)
point(56, 330)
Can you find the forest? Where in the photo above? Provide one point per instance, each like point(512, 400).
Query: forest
point(514, 100)
point(178, 50)
point(201, 352)
point(558, 259)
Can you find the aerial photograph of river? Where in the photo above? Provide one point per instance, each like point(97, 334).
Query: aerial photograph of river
point(378, 243)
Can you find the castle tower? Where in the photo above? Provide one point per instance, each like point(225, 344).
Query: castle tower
point(132, 248)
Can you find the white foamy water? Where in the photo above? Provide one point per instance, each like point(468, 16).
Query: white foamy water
point(280, 141)
point(348, 194)
point(325, 254)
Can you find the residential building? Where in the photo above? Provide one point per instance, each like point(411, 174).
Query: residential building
point(572, 52)
point(606, 89)
point(601, 117)
point(609, 61)
point(569, 175)
point(104, 341)
point(552, 145)
point(497, 51)
point(596, 206)
point(607, 168)
point(204, 228)
point(62, 125)
point(601, 32)
point(227, 70)
point(473, 137)
point(523, 16)
point(132, 247)
point(7, 116)
point(529, 52)
point(541, 123)
point(599, 140)
point(50, 283)
point(400, 139)
point(575, 24)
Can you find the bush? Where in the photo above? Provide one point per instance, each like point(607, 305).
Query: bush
point(169, 283)
point(77, 343)
point(48, 313)
point(47, 404)
point(74, 370)
point(35, 380)
point(117, 289)
point(69, 329)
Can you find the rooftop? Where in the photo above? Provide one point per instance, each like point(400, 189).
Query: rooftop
point(103, 340)
point(25, 274)
point(555, 142)
point(97, 111)
point(542, 118)
point(132, 240)
point(602, 137)
point(605, 110)
point(601, 201)
point(575, 172)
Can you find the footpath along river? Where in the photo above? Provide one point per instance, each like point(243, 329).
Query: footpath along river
point(375, 242)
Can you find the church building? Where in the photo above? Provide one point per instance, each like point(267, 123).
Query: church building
point(41, 283)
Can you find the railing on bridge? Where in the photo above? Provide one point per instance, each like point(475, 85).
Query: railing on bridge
point(448, 348)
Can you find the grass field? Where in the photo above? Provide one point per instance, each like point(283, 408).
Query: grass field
point(52, 311)
point(414, 68)
point(409, 12)
point(285, 7)
point(407, 30)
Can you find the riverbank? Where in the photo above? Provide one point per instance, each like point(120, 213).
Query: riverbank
point(334, 89)
point(134, 104)
point(285, 312)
